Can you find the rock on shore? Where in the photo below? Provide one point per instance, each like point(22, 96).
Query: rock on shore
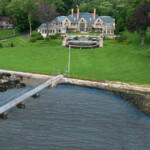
point(8, 81)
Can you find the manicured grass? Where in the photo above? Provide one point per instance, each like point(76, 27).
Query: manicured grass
point(7, 33)
point(114, 62)
point(18, 41)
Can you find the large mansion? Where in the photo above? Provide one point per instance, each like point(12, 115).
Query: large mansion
point(82, 22)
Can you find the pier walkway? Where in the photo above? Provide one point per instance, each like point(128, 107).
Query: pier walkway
point(24, 94)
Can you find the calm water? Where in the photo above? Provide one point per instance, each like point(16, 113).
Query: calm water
point(75, 118)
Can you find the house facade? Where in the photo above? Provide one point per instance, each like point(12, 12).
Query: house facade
point(82, 22)
point(5, 23)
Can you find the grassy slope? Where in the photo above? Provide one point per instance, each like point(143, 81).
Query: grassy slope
point(7, 33)
point(114, 62)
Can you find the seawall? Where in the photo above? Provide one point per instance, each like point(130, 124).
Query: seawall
point(139, 96)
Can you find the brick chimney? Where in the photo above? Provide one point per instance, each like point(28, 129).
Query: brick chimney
point(78, 13)
point(72, 13)
point(94, 16)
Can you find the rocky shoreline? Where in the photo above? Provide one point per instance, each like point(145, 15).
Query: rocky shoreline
point(9, 81)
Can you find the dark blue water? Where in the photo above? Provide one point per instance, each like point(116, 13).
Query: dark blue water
point(75, 118)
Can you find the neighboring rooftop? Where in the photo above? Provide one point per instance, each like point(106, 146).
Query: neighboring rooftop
point(5, 18)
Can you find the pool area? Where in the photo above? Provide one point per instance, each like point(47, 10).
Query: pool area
point(83, 41)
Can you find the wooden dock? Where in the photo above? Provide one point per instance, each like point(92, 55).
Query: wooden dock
point(14, 102)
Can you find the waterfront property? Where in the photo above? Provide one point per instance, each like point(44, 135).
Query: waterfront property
point(116, 61)
point(81, 22)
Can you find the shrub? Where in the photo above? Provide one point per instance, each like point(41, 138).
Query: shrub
point(35, 34)
point(47, 38)
point(121, 38)
point(58, 35)
point(32, 39)
point(1, 45)
point(40, 37)
point(11, 44)
point(53, 36)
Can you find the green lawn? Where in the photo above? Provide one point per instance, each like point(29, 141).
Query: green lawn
point(114, 62)
point(7, 33)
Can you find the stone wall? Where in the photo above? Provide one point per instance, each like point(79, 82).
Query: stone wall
point(137, 95)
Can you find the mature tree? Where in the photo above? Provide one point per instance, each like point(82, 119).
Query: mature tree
point(69, 4)
point(47, 13)
point(60, 7)
point(3, 6)
point(22, 13)
point(107, 4)
point(18, 16)
point(30, 7)
point(140, 21)
point(120, 25)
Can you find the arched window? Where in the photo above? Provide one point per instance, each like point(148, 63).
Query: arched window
point(82, 25)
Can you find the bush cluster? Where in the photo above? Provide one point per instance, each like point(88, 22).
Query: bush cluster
point(36, 36)
point(55, 36)
point(122, 38)
point(11, 44)
point(32, 39)
point(47, 38)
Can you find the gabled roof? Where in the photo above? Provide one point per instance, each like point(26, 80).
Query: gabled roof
point(5, 19)
point(89, 17)
point(60, 19)
point(106, 19)
point(42, 26)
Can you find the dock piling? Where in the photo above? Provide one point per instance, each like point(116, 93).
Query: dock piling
point(4, 116)
point(21, 105)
